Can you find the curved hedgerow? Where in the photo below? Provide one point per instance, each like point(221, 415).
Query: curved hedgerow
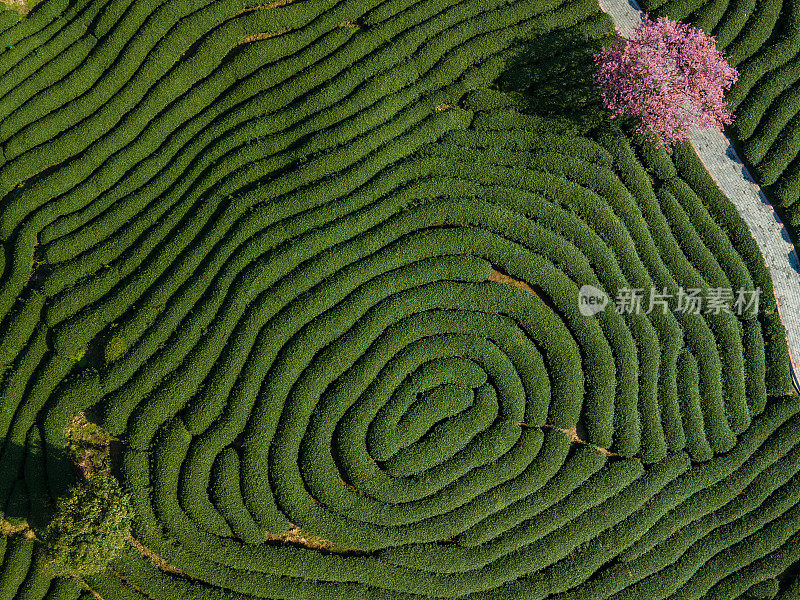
point(316, 266)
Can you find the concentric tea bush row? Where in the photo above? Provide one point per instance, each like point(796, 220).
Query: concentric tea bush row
point(270, 248)
point(762, 39)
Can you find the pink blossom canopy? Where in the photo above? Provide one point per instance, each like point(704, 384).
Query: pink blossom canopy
point(670, 76)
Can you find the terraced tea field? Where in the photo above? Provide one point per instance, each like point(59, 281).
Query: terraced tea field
point(314, 266)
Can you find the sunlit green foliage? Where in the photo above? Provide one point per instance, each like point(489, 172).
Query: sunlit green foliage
point(90, 527)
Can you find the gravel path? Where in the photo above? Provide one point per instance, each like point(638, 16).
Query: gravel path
point(732, 177)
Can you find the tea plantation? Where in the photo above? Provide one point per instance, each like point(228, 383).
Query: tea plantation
point(315, 265)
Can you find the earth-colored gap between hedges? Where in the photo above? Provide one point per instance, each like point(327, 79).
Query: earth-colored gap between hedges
point(22, 6)
point(276, 4)
point(574, 438)
point(500, 277)
point(158, 562)
point(23, 529)
point(295, 536)
point(120, 576)
point(264, 35)
point(86, 587)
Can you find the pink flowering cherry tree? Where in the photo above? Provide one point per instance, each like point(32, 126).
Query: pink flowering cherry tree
point(668, 75)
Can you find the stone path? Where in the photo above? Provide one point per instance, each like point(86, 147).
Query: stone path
point(732, 177)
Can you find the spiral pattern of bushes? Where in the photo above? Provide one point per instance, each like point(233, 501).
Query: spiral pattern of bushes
point(315, 271)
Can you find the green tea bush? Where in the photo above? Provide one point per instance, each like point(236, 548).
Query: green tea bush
point(17, 560)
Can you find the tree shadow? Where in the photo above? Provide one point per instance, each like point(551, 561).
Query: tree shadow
point(33, 474)
point(554, 72)
point(26, 503)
